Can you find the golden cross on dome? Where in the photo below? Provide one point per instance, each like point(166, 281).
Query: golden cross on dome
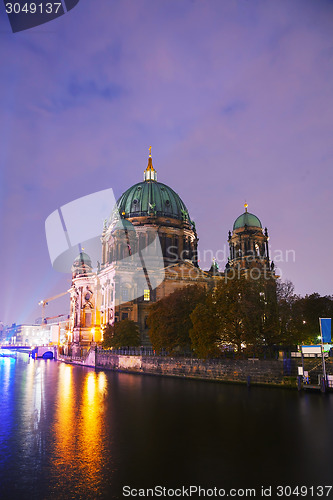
point(245, 206)
point(150, 151)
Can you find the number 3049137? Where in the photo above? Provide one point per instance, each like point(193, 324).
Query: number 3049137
point(32, 8)
point(303, 491)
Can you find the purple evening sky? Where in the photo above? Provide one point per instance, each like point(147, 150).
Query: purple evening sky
point(235, 97)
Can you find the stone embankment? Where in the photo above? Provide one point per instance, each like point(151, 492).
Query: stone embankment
point(279, 372)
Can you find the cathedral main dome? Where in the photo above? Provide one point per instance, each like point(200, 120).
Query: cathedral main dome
point(147, 211)
point(152, 198)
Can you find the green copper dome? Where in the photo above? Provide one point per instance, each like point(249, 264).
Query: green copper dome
point(81, 259)
point(152, 198)
point(122, 225)
point(247, 219)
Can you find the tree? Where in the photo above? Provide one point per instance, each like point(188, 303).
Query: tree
point(314, 307)
point(239, 312)
point(305, 314)
point(233, 308)
point(288, 313)
point(169, 319)
point(204, 332)
point(123, 333)
point(291, 315)
point(261, 317)
point(221, 320)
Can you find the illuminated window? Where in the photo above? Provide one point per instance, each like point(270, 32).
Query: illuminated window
point(146, 295)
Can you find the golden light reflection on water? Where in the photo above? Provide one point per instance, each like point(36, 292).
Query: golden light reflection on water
point(79, 429)
point(65, 418)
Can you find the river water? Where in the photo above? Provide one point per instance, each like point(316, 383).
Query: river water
point(69, 432)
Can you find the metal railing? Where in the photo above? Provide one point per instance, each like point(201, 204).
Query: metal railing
point(131, 351)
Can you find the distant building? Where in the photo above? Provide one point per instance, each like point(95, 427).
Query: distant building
point(31, 335)
point(2, 332)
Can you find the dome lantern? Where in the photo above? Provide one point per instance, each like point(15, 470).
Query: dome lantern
point(150, 173)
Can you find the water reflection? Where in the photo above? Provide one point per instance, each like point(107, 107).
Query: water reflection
point(78, 457)
point(7, 365)
point(62, 461)
point(68, 432)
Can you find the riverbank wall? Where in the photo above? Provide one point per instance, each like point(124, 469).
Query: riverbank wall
point(227, 370)
point(277, 372)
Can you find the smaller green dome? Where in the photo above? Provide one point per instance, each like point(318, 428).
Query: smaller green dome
point(82, 258)
point(121, 225)
point(247, 219)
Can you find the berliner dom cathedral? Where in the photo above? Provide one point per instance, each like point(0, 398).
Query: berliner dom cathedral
point(149, 248)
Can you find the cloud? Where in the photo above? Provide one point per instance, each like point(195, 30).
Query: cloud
point(233, 107)
point(82, 93)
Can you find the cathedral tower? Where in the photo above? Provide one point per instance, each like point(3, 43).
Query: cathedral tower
point(248, 244)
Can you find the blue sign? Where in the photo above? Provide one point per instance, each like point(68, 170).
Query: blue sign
point(325, 328)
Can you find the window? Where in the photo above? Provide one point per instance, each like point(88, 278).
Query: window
point(169, 248)
point(124, 294)
point(135, 207)
point(124, 316)
point(146, 294)
point(88, 319)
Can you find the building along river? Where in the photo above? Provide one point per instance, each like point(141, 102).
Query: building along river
point(70, 432)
